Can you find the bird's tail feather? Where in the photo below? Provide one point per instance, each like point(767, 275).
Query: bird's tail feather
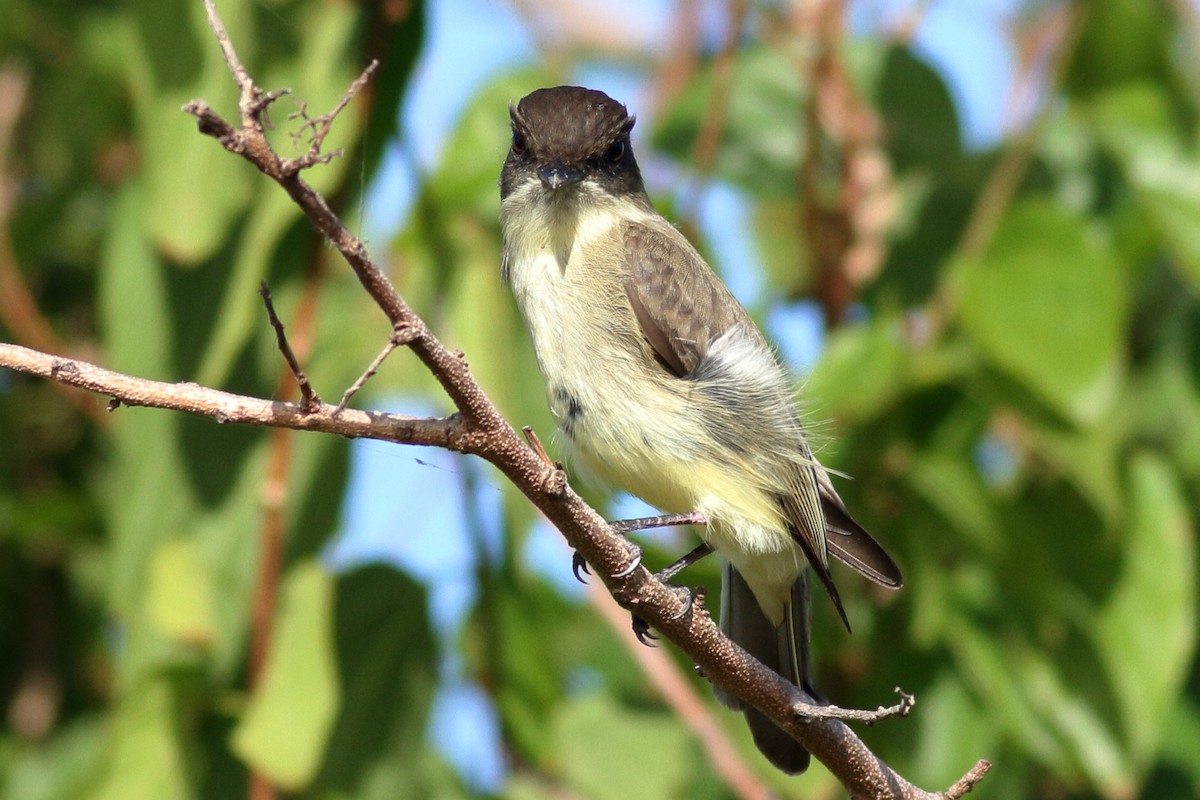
point(784, 649)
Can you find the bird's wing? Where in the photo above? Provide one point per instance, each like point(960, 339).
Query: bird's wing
point(682, 308)
point(680, 305)
point(850, 543)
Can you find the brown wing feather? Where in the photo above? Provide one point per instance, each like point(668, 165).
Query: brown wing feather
point(850, 543)
point(679, 303)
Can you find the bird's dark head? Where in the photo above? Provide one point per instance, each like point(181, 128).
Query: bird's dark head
point(568, 138)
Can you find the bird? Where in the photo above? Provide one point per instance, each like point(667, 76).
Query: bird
point(661, 384)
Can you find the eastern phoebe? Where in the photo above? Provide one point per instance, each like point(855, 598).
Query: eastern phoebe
point(663, 386)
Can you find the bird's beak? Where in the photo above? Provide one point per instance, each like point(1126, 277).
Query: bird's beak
point(556, 175)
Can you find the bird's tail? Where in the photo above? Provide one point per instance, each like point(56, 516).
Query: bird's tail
point(784, 649)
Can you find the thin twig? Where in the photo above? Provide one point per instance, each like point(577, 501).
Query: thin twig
point(308, 398)
point(320, 126)
point(251, 96)
point(450, 432)
point(626, 526)
point(967, 782)
point(869, 716)
point(536, 444)
point(401, 335)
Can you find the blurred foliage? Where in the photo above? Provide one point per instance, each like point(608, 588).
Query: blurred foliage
point(1022, 420)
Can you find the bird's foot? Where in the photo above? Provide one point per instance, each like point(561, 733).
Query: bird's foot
point(690, 598)
point(579, 566)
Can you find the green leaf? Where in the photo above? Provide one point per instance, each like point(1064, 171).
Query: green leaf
point(240, 312)
point(1180, 748)
point(1092, 746)
point(196, 188)
point(919, 115)
point(609, 752)
point(1136, 125)
point(132, 293)
point(1045, 304)
point(1146, 631)
point(516, 614)
point(227, 539)
point(63, 766)
point(286, 727)
point(179, 599)
point(952, 485)
point(145, 757)
point(465, 181)
point(987, 661)
point(859, 373)
point(387, 662)
point(949, 732)
point(1120, 41)
point(145, 461)
point(1087, 458)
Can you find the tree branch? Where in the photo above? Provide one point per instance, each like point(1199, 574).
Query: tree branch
point(479, 429)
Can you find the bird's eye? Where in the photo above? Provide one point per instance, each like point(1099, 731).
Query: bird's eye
point(615, 151)
point(518, 143)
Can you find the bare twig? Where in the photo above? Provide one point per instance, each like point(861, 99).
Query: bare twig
point(401, 335)
point(662, 521)
point(308, 398)
point(252, 100)
point(234, 409)
point(536, 444)
point(967, 782)
point(320, 126)
point(870, 717)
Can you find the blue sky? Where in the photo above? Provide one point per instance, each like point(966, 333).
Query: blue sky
point(467, 42)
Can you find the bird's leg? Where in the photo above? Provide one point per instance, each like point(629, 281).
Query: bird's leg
point(624, 527)
point(667, 573)
point(641, 629)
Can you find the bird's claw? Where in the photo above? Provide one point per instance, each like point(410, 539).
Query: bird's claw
point(641, 630)
point(689, 600)
point(637, 562)
point(579, 568)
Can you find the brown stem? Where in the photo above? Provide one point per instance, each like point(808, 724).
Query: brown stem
point(308, 397)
